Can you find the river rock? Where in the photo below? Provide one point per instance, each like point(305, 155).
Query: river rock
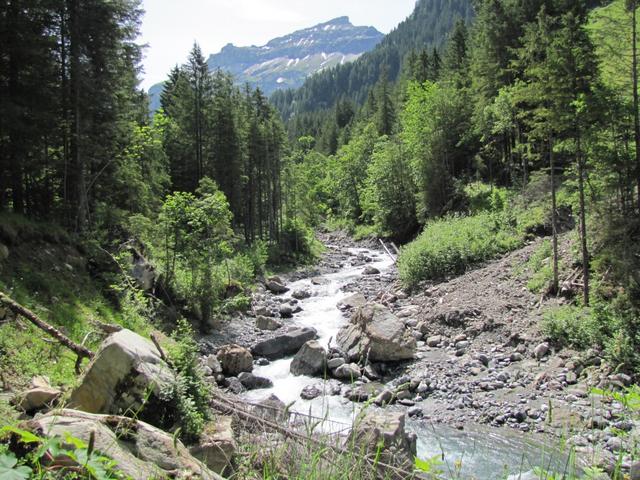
point(140, 451)
point(217, 445)
point(285, 344)
point(301, 294)
point(276, 285)
point(235, 359)
point(125, 371)
point(335, 363)
point(310, 360)
point(253, 382)
point(434, 341)
point(541, 350)
point(384, 398)
point(351, 302)
point(286, 310)
point(371, 271)
point(271, 408)
point(310, 392)
point(213, 363)
point(383, 434)
point(634, 473)
point(268, 323)
point(348, 371)
point(378, 333)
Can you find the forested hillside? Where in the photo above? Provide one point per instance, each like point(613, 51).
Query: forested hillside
point(425, 29)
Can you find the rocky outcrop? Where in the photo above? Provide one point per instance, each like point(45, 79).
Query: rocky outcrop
point(234, 360)
point(377, 333)
point(126, 373)
point(217, 445)
point(384, 436)
point(140, 450)
point(310, 360)
point(285, 344)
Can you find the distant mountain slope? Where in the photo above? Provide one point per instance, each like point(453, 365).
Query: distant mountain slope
point(286, 62)
point(427, 26)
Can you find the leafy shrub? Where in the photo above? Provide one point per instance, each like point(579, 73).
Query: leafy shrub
point(450, 245)
point(483, 197)
point(572, 326)
point(297, 244)
point(190, 394)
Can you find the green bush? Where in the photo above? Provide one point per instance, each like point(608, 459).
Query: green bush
point(189, 394)
point(297, 244)
point(572, 326)
point(449, 246)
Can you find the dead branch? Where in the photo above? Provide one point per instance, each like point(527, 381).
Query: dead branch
point(15, 307)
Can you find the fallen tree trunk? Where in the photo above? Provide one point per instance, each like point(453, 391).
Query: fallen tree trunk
point(15, 307)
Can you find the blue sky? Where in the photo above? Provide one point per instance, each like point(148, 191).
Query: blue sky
point(171, 26)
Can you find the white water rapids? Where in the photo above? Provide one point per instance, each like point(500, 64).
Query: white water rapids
point(482, 454)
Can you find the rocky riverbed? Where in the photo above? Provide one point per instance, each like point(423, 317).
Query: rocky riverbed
point(475, 356)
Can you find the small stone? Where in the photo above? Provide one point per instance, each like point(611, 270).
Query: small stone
point(541, 350)
point(571, 378)
point(286, 311)
point(615, 444)
point(434, 341)
point(384, 398)
point(415, 412)
point(371, 271)
point(634, 472)
point(310, 392)
point(335, 363)
point(348, 371)
point(252, 382)
point(301, 294)
point(516, 357)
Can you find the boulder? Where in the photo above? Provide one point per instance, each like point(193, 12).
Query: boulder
point(377, 333)
point(268, 324)
point(371, 271)
point(352, 302)
point(276, 285)
point(271, 408)
point(348, 371)
point(301, 294)
point(285, 344)
point(235, 360)
point(335, 363)
point(139, 450)
point(383, 435)
point(213, 363)
point(36, 398)
point(142, 271)
point(217, 445)
point(310, 360)
point(310, 392)
point(126, 373)
point(541, 350)
point(286, 310)
point(253, 382)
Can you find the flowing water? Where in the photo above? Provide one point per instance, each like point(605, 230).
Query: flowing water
point(482, 454)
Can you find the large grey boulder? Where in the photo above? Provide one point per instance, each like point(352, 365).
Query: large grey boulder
point(217, 444)
point(140, 450)
point(375, 331)
point(235, 360)
point(383, 435)
point(126, 373)
point(284, 344)
point(310, 360)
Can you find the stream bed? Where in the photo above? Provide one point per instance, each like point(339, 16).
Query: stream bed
point(475, 453)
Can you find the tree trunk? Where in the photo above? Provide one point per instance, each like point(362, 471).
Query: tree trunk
point(583, 225)
point(554, 216)
point(634, 75)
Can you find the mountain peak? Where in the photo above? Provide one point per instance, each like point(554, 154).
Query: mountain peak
point(338, 21)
